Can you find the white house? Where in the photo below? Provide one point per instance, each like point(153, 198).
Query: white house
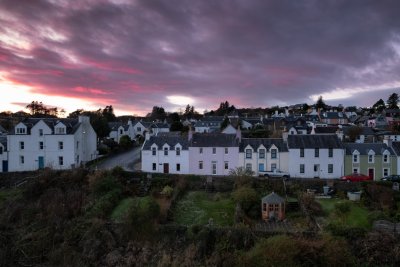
point(165, 154)
point(263, 154)
point(159, 127)
point(316, 156)
point(51, 142)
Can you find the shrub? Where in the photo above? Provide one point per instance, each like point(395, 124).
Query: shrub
point(101, 183)
point(246, 197)
point(125, 142)
point(167, 191)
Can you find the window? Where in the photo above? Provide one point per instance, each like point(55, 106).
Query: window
point(121, 131)
point(316, 167)
point(21, 159)
point(330, 152)
point(301, 152)
point(1, 150)
point(385, 172)
point(226, 165)
point(385, 158)
point(178, 151)
point(273, 153)
point(355, 170)
point(165, 151)
point(77, 144)
point(226, 150)
point(273, 166)
point(261, 167)
point(21, 130)
point(214, 167)
point(261, 153)
point(154, 166)
point(178, 167)
point(330, 168)
point(370, 158)
point(248, 167)
point(301, 168)
point(60, 145)
point(200, 150)
point(264, 206)
point(139, 129)
point(154, 151)
point(21, 145)
point(316, 152)
point(248, 153)
point(40, 132)
point(355, 158)
point(60, 130)
point(41, 145)
point(60, 161)
point(200, 165)
point(214, 151)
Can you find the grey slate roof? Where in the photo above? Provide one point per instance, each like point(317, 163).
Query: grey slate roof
point(396, 148)
point(365, 130)
point(266, 142)
point(314, 141)
point(2, 130)
point(71, 124)
point(273, 199)
point(159, 125)
point(365, 148)
point(115, 125)
point(171, 140)
point(214, 140)
point(326, 130)
point(335, 115)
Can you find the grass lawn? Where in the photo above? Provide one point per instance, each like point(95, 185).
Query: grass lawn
point(198, 207)
point(357, 217)
point(13, 193)
point(122, 208)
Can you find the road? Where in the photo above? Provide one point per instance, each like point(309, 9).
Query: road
point(129, 161)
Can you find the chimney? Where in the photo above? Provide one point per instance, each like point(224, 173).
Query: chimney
point(190, 134)
point(387, 141)
point(239, 134)
point(286, 112)
point(129, 122)
point(147, 136)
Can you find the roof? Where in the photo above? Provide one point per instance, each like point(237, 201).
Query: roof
point(2, 130)
point(214, 140)
point(255, 143)
point(326, 130)
point(314, 141)
point(364, 130)
point(213, 119)
point(71, 124)
point(365, 148)
point(335, 115)
point(273, 199)
point(115, 125)
point(159, 125)
point(171, 140)
point(396, 148)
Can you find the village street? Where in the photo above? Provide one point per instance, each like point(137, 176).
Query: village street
point(129, 161)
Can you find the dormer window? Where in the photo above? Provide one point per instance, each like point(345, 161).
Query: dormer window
point(178, 151)
point(371, 156)
point(355, 158)
point(385, 158)
point(40, 132)
point(261, 153)
point(21, 130)
point(273, 153)
point(248, 153)
point(153, 151)
point(60, 130)
point(165, 151)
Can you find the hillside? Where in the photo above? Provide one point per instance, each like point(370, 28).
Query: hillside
point(113, 218)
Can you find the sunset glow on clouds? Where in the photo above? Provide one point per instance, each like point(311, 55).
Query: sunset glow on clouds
point(137, 54)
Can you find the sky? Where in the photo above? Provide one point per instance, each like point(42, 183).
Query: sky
point(136, 54)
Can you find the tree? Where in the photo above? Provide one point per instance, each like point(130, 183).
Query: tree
point(379, 106)
point(354, 132)
point(38, 109)
point(320, 103)
point(305, 107)
point(176, 126)
point(158, 113)
point(125, 142)
point(174, 117)
point(392, 101)
point(108, 113)
point(225, 123)
point(240, 171)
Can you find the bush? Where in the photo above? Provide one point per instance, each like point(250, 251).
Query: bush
point(105, 204)
point(125, 142)
point(342, 208)
point(247, 197)
point(101, 183)
point(167, 191)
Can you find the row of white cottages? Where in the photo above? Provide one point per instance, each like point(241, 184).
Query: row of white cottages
point(303, 156)
point(36, 143)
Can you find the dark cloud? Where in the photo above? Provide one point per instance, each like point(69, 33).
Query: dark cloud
point(252, 53)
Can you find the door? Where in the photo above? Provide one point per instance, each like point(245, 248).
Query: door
point(166, 168)
point(316, 170)
point(261, 167)
point(41, 162)
point(371, 173)
point(5, 166)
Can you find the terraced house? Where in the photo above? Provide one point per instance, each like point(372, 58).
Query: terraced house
point(375, 160)
point(263, 154)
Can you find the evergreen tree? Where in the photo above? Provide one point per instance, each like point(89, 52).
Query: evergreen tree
point(392, 101)
point(379, 105)
point(320, 103)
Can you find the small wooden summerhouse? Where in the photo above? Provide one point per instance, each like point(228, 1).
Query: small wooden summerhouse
point(273, 207)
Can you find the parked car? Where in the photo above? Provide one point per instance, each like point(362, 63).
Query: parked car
point(356, 177)
point(274, 174)
point(391, 178)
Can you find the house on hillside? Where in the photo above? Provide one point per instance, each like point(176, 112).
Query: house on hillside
point(312, 156)
point(396, 148)
point(213, 153)
point(334, 118)
point(367, 134)
point(210, 124)
point(263, 154)
point(166, 153)
point(56, 143)
point(374, 160)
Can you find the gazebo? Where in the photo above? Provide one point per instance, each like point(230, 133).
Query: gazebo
point(273, 207)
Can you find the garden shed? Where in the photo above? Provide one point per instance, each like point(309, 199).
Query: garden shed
point(273, 207)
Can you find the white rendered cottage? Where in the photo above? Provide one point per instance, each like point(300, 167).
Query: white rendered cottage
point(319, 156)
point(56, 143)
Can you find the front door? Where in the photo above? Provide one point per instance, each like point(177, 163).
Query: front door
point(371, 173)
point(166, 168)
point(5, 166)
point(316, 170)
point(41, 162)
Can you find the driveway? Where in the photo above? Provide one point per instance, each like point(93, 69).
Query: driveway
point(129, 161)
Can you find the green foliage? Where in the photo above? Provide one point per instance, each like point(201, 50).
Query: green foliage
point(379, 106)
point(176, 126)
point(342, 208)
point(125, 142)
point(320, 104)
point(247, 197)
point(167, 191)
point(240, 171)
point(392, 101)
point(105, 204)
point(102, 183)
point(122, 209)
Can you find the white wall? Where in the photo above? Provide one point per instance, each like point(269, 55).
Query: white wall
point(172, 159)
point(207, 157)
